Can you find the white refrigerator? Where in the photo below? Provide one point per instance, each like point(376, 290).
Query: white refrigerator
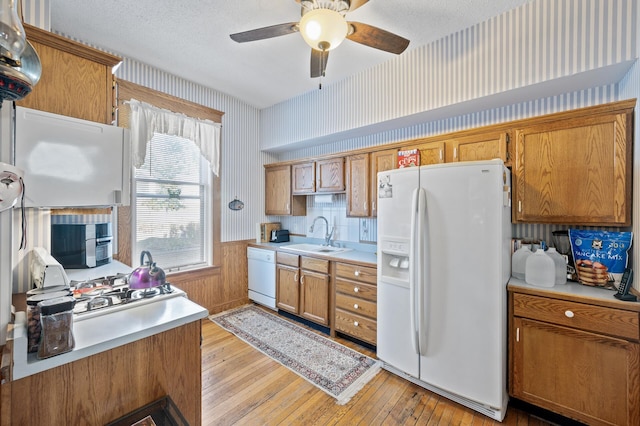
point(444, 260)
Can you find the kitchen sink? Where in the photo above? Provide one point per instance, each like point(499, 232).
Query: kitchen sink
point(315, 248)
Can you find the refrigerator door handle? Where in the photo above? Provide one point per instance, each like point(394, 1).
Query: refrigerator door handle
point(423, 271)
point(413, 271)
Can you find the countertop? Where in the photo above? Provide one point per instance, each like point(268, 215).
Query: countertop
point(572, 291)
point(361, 254)
point(105, 332)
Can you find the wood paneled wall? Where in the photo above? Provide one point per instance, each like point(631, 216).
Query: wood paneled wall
point(219, 288)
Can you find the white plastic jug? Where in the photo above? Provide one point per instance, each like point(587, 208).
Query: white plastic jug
point(519, 262)
point(540, 270)
point(560, 265)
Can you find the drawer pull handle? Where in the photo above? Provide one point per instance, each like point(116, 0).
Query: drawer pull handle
point(568, 314)
point(356, 289)
point(356, 273)
point(355, 306)
point(355, 323)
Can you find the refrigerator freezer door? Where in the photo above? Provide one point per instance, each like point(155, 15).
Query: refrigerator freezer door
point(465, 290)
point(395, 339)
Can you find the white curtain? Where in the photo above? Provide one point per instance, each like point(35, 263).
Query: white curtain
point(145, 120)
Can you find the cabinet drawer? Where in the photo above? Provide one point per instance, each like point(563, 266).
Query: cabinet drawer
point(287, 259)
point(313, 264)
point(357, 326)
point(356, 305)
point(354, 272)
point(360, 290)
point(599, 319)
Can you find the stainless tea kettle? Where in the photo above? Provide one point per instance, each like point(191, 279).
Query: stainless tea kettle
point(147, 275)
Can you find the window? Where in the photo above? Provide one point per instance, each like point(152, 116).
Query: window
point(170, 163)
point(173, 204)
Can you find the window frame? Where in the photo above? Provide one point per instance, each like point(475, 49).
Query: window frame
point(126, 91)
point(207, 219)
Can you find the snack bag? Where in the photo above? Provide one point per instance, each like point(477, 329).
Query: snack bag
point(600, 256)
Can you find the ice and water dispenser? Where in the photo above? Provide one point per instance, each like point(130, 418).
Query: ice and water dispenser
point(394, 259)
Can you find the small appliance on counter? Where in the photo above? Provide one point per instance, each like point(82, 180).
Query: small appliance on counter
point(280, 236)
point(266, 231)
point(46, 272)
point(82, 245)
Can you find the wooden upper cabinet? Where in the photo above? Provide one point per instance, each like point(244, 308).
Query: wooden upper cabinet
point(380, 161)
point(77, 80)
point(330, 175)
point(430, 152)
point(362, 180)
point(304, 178)
point(575, 170)
point(358, 185)
point(278, 199)
point(483, 146)
point(318, 176)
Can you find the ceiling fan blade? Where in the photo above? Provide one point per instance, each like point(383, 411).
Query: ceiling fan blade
point(319, 60)
point(377, 38)
point(354, 4)
point(266, 32)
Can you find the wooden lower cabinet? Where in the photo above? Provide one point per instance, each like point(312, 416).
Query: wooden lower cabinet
point(580, 360)
point(302, 286)
point(356, 297)
point(106, 386)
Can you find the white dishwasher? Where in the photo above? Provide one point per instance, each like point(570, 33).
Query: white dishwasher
point(262, 276)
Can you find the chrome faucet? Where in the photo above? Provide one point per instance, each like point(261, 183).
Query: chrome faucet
point(328, 234)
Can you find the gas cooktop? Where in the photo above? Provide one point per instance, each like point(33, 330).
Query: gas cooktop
point(110, 294)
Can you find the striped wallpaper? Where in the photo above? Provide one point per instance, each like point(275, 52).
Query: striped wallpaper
point(502, 55)
point(535, 44)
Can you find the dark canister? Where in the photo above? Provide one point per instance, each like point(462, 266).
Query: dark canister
point(56, 319)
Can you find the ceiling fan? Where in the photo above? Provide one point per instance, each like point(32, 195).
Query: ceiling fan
point(323, 27)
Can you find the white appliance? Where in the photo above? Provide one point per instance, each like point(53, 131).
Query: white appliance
point(443, 265)
point(46, 271)
point(262, 276)
point(68, 162)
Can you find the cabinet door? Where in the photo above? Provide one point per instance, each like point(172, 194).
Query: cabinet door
point(287, 289)
point(380, 161)
point(277, 194)
point(575, 171)
point(330, 175)
point(304, 178)
point(586, 376)
point(484, 146)
point(314, 303)
point(358, 185)
point(430, 153)
point(76, 79)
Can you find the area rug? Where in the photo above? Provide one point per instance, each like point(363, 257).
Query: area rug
point(339, 371)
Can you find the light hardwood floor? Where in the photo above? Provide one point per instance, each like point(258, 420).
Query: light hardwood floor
point(241, 386)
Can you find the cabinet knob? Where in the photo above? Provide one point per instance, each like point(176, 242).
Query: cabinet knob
point(568, 314)
point(356, 273)
point(301, 279)
point(355, 323)
point(295, 277)
point(356, 289)
point(355, 306)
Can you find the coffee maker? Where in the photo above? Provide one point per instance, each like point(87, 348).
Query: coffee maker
point(562, 243)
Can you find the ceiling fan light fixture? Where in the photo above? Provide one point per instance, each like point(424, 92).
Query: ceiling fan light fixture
point(323, 29)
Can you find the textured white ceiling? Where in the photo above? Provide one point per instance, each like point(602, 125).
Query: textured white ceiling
point(190, 38)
